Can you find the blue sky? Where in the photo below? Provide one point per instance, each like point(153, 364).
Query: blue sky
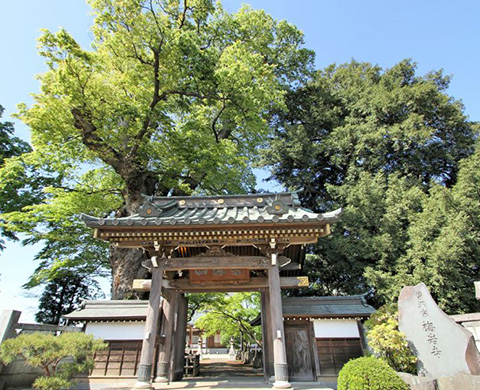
point(436, 34)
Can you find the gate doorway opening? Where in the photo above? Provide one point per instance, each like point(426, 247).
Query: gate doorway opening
point(223, 340)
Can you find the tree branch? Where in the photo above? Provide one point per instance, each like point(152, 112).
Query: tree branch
point(184, 15)
point(92, 141)
point(146, 127)
point(109, 191)
point(214, 123)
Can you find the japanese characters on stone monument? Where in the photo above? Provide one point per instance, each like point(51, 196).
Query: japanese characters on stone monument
point(442, 347)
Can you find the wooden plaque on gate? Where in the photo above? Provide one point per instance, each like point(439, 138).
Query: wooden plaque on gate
point(206, 276)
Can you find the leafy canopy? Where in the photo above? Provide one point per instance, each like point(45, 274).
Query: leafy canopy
point(398, 154)
point(443, 246)
point(357, 117)
point(178, 89)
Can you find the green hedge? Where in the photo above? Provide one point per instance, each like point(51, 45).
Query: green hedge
point(369, 373)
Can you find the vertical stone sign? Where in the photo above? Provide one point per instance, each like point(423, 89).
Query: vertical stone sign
point(442, 347)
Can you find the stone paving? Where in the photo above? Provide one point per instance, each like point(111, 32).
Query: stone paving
point(214, 375)
point(200, 384)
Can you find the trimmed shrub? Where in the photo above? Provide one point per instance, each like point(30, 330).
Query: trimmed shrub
point(369, 373)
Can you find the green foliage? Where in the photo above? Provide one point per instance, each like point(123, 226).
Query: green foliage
point(22, 191)
point(372, 233)
point(369, 373)
point(51, 383)
point(172, 98)
point(443, 247)
point(357, 118)
point(391, 148)
point(231, 315)
point(387, 342)
point(199, 302)
point(10, 146)
point(47, 351)
point(63, 294)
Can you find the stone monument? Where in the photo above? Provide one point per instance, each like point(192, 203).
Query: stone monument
point(442, 347)
point(232, 356)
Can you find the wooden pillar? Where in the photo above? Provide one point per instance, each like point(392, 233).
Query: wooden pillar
point(171, 358)
point(314, 349)
point(271, 335)
point(167, 332)
point(363, 337)
point(279, 352)
point(180, 338)
point(266, 336)
point(144, 375)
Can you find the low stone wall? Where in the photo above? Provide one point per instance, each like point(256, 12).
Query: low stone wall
point(17, 374)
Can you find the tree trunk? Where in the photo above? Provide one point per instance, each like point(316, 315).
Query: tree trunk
point(126, 264)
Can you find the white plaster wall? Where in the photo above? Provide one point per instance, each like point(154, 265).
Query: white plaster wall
point(117, 330)
point(335, 328)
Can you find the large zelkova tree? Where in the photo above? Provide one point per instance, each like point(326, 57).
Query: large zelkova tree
point(388, 147)
point(173, 97)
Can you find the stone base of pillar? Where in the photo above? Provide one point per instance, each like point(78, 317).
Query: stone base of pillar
point(282, 385)
point(281, 376)
point(161, 379)
point(162, 373)
point(281, 372)
point(142, 385)
point(144, 375)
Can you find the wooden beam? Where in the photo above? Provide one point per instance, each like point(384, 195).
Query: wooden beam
point(224, 262)
point(47, 328)
point(219, 262)
point(255, 284)
point(142, 242)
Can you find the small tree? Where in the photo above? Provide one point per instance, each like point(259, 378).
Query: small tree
point(46, 351)
point(387, 342)
point(63, 294)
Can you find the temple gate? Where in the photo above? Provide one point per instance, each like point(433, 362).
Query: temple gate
point(215, 243)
